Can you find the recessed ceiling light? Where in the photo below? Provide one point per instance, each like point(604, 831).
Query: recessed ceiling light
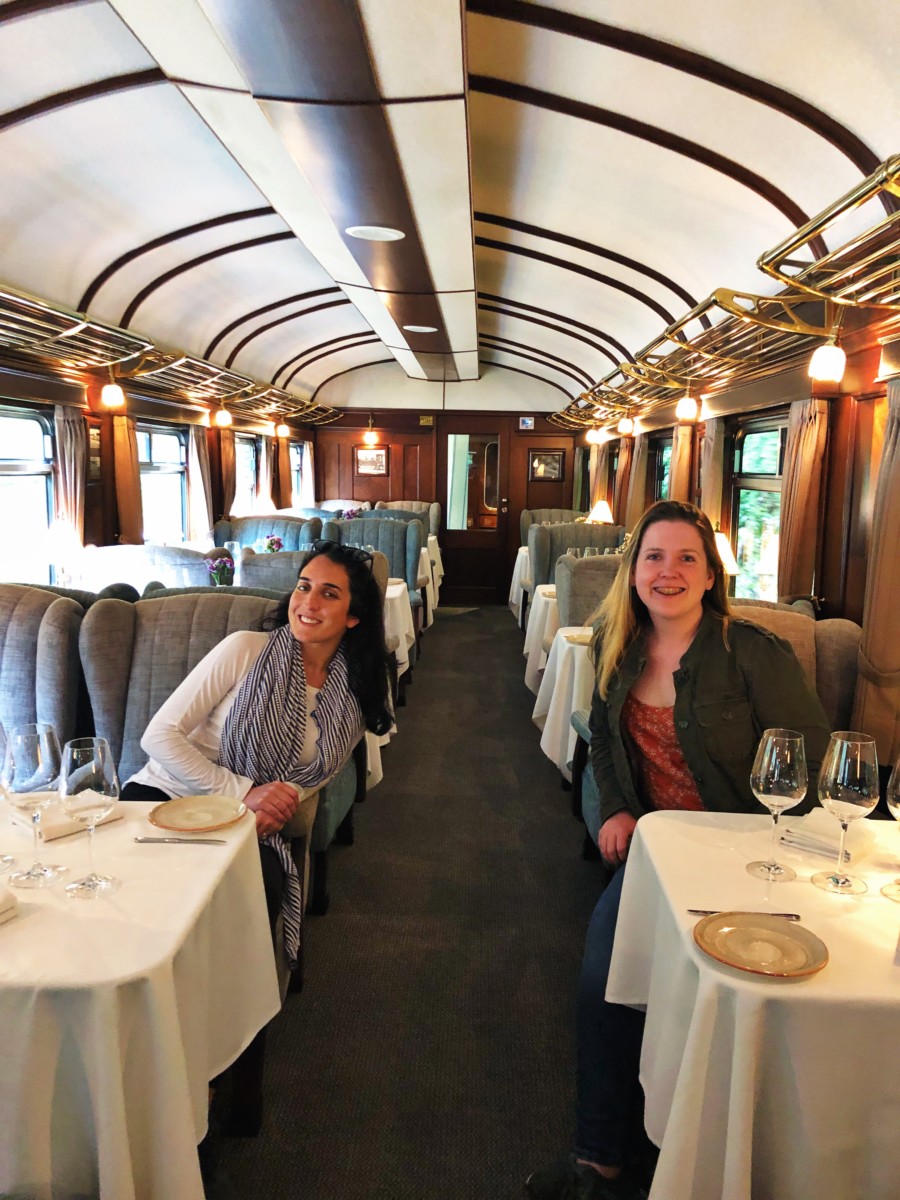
point(375, 233)
point(420, 328)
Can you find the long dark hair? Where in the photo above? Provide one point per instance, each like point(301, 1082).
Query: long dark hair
point(623, 614)
point(364, 644)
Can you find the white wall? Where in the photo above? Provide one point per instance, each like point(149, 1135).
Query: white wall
point(385, 385)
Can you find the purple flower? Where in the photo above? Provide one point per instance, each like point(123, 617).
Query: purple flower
point(273, 543)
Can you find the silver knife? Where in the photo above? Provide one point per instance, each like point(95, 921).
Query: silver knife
point(744, 912)
point(177, 841)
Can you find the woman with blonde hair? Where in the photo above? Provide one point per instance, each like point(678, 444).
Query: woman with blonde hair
point(684, 691)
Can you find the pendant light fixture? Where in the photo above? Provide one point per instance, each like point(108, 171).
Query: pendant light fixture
point(282, 430)
point(112, 396)
point(595, 436)
point(222, 417)
point(370, 437)
point(625, 426)
point(829, 360)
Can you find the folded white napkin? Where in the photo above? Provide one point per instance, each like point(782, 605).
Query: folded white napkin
point(8, 904)
point(820, 833)
point(56, 823)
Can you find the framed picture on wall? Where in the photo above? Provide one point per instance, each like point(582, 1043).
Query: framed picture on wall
point(371, 460)
point(546, 465)
point(526, 423)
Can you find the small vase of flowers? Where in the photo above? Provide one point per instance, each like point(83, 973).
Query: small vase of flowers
point(221, 570)
point(272, 544)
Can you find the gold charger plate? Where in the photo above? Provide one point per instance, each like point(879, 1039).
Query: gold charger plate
point(579, 639)
point(761, 944)
point(197, 814)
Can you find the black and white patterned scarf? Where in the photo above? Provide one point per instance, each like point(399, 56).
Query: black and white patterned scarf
point(264, 733)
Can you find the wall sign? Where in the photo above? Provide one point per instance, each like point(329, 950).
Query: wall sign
point(526, 423)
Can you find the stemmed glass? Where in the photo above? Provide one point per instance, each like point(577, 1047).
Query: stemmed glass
point(778, 780)
point(575, 551)
point(89, 791)
point(892, 890)
point(848, 788)
point(28, 778)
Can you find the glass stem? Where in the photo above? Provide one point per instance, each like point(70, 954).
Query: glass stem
point(91, 849)
point(35, 825)
point(839, 871)
point(772, 862)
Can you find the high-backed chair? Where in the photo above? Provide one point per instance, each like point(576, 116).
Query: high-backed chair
point(39, 667)
point(304, 514)
point(535, 516)
point(278, 572)
point(156, 591)
point(547, 543)
point(399, 514)
point(801, 605)
point(293, 531)
point(399, 541)
point(113, 591)
point(430, 508)
point(581, 583)
point(338, 506)
point(176, 566)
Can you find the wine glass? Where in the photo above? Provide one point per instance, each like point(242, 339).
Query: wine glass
point(575, 551)
point(778, 780)
point(89, 791)
point(28, 778)
point(848, 788)
point(892, 890)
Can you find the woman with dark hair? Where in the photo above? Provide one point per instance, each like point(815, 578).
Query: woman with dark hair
point(269, 716)
point(684, 691)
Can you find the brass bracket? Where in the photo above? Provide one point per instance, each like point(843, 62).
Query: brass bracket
point(764, 311)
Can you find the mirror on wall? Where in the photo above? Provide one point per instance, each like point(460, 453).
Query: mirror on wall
point(473, 485)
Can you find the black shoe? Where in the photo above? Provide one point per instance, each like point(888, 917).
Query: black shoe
point(567, 1179)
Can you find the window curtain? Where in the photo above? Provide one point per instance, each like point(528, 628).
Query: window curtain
point(199, 486)
point(636, 500)
point(307, 477)
point(128, 481)
point(228, 469)
point(801, 483)
point(877, 707)
point(70, 429)
point(264, 476)
point(680, 472)
point(623, 474)
point(712, 469)
point(581, 485)
point(599, 473)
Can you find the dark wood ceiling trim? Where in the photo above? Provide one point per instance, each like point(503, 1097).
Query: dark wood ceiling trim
point(87, 91)
point(557, 316)
point(266, 308)
point(165, 240)
point(27, 8)
point(565, 265)
point(691, 63)
point(255, 333)
point(506, 312)
point(549, 359)
point(367, 337)
point(359, 366)
point(578, 244)
point(167, 276)
point(531, 375)
point(673, 142)
point(533, 358)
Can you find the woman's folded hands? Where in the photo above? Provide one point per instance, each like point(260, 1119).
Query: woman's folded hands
point(274, 804)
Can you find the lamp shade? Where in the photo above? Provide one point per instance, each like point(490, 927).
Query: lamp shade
point(370, 437)
point(600, 514)
point(282, 431)
point(112, 396)
point(222, 418)
point(595, 436)
point(726, 554)
point(625, 426)
point(827, 363)
point(687, 409)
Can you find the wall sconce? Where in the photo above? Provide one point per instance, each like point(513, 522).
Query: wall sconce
point(625, 426)
point(222, 417)
point(687, 408)
point(600, 514)
point(370, 437)
point(282, 430)
point(729, 562)
point(595, 436)
point(112, 395)
point(827, 363)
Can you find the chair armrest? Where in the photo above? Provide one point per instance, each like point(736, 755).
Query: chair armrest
point(580, 719)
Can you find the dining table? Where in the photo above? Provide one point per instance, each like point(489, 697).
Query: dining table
point(543, 622)
point(437, 567)
point(521, 578)
point(115, 1013)
point(567, 684)
point(758, 1086)
point(398, 621)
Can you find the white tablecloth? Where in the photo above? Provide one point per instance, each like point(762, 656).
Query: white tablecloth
point(567, 684)
point(398, 620)
point(425, 580)
point(762, 1089)
point(116, 1013)
point(520, 577)
point(437, 568)
point(543, 621)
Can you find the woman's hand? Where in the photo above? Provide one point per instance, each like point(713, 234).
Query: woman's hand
point(615, 837)
point(274, 805)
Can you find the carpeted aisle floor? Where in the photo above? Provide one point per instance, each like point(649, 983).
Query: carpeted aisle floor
point(430, 1055)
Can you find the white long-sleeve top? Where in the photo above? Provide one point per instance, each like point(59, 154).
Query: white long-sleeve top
point(184, 736)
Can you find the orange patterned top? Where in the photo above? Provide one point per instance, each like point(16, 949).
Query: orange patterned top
point(662, 775)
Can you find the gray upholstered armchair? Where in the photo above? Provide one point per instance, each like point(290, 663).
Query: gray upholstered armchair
point(399, 541)
point(430, 508)
point(39, 668)
point(293, 531)
point(581, 583)
point(535, 516)
point(547, 544)
point(135, 655)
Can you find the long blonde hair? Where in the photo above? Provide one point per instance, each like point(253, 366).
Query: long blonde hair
point(623, 615)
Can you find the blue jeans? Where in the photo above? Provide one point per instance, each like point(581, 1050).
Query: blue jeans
point(609, 1096)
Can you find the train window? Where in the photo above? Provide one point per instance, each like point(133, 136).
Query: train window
point(295, 450)
point(162, 457)
point(756, 506)
point(661, 469)
point(245, 468)
point(26, 488)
